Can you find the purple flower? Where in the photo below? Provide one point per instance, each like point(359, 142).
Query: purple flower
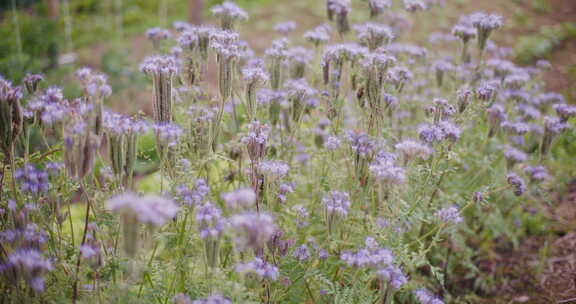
point(374, 35)
point(319, 35)
point(157, 34)
point(151, 210)
point(240, 198)
point(195, 196)
point(32, 180)
point(229, 12)
point(537, 173)
point(449, 214)
point(426, 297)
point(302, 253)
point(336, 202)
point(415, 5)
point(517, 183)
point(258, 267)
point(368, 257)
point(273, 169)
point(393, 275)
point(31, 82)
point(213, 299)
point(411, 149)
point(386, 173)
point(252, 230)
point(27, 264)
point(210, 221)
point(167, 133)
point(377, 7)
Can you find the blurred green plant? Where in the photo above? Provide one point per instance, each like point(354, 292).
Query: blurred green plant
point(530, 48)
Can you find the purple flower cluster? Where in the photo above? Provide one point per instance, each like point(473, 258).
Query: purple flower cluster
point(370, 256)
point(167, 133)
point(426, 297)
point(450, 214)
point(212, 299)
point(260, 268)
point(393, 275)
point(151, 210)
point(28, 265)
point(336, 203)
point(195, 196)
point(32, 180)
point(240, 198)
point(210, 221)
point(252, 230)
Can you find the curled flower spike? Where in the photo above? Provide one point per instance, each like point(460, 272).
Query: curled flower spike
point(338, 10)
point(298, 58)
point(211, 225)
point(162, 69)
point(377, 7)
point(156, 35)
point(11, 123)
point(410, 149)
point(229, 13)
point(485, 24)
point(318, 36)
point(374, 35)
point(253, 77)
point(31, 81)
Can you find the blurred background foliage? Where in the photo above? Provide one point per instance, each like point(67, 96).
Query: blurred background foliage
point(79, 24)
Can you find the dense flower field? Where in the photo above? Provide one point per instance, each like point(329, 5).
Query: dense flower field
point(354, 169)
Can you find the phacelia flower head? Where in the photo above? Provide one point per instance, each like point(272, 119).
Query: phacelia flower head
point(194, 196)
point(29, 265)
point(337, 202)
point(259, 268)
point(374, 35)
point(151, 210)
point(31, 81)
point(411, 149)
point(229, 13)
point(377, 7)
point(415, 5)
point(426, 297)
point(393, 275)
point(240, 198)
point(485, 24)
point(32, 180)
point(318, 36)
point(252, 230)
point(210, 221)
point(157, 35)
point(517, 183)
point(450, 214)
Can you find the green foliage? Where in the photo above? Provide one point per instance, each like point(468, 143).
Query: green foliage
point(529, 48)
